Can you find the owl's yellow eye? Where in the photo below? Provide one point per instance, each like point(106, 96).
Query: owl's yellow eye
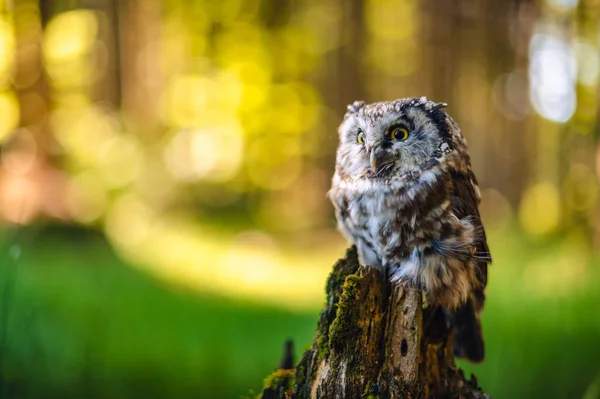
point(360, 138)
point(399, 133)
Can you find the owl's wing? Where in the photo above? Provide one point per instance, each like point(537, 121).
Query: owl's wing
point(465, 202)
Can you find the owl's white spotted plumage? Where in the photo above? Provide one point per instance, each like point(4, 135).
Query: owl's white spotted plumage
point(405, 195)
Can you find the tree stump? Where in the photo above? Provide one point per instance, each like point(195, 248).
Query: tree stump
point(372, 342)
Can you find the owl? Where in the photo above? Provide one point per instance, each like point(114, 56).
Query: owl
point(405, 195)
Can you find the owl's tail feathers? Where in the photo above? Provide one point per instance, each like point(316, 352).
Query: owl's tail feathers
point(468, 338)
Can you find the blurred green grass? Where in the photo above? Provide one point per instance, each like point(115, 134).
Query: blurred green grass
point(77, 322)
point(81, 324)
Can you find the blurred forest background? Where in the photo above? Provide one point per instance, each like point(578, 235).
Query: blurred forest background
point(164, 166)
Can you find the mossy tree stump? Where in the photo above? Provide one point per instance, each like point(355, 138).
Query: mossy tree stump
point(371, 343)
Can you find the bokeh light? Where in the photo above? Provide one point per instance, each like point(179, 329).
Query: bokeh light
point(195, 142)
point(553, 73)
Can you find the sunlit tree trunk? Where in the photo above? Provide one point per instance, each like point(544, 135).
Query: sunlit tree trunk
point(142, 80)
point(588, 17)
point(30, 79)
point(439, 49)
point(107, 87)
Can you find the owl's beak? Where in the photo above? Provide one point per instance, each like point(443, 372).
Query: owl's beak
point(379, 159)
point(373, 160)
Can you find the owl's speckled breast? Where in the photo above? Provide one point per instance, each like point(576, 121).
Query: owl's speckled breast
point(410, 229)
point(388, 219)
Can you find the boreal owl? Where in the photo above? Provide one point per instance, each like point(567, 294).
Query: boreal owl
point(405, 195)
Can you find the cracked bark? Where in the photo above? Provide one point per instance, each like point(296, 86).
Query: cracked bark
point(371, 343)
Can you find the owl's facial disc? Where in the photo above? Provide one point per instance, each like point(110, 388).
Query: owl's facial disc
point(383, 140)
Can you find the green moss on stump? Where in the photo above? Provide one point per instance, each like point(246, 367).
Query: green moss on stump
point(279, 385)
point(280, 378)
point(344, 327)
point(342, 269)
point(371, 391)
point(300, 375)
point(305, 371)
point(323, 345)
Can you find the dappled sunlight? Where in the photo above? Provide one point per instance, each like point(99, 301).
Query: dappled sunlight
point(539, 213)
point(86, 198)
point(213, 154)
point(553, 73)
point(197, 140)
point(69, 39)
point(558, 275)
point(70, 35)
point(9, 109)
point(7, 49)
point(187, 255)
point(226, 113)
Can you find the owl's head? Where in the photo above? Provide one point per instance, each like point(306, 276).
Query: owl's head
point(386, 139)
